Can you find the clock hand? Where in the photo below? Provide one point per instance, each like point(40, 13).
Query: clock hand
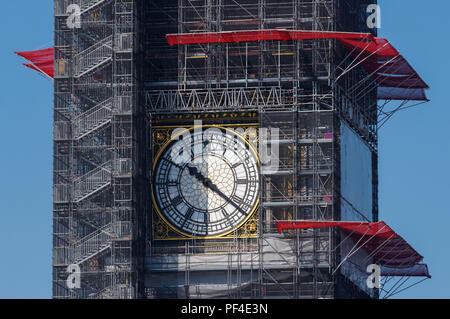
point(193, 171)
point(215, 189)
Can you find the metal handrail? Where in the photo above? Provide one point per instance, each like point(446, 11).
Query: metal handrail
point(92, 56)
point(92, 244)
point(93, 180)
point(92, 118)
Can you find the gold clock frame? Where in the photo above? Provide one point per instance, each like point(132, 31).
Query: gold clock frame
point(162, 229)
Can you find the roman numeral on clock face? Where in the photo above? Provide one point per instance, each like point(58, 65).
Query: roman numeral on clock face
point(236, 164)
point(188, 215)
point(177, 200)
point(227, 217)
point(236, 199)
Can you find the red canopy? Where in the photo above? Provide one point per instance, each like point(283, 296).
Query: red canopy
point(396, 79)
point(388, 249)
point(258, 35)
point(40, 60)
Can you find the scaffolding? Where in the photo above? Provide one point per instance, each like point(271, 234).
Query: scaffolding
point(119, 83)
point(97, 212)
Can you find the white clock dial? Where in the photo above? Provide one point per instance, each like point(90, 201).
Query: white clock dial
point(210, 189)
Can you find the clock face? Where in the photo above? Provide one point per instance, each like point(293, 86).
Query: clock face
point(206, 183)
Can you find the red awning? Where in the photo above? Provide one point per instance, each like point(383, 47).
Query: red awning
point(395, 78)
point(40, 60)
point(387, 248)
point(258, 35)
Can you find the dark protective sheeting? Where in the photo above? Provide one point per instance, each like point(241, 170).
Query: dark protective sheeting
point(40, 60)
point(393, 93)
point(419, 270)
point(388, 249)
point(395, 77)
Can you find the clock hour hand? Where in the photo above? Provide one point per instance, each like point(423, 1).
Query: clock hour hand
point(193, 171)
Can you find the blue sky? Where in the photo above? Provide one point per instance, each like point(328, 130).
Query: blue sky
point(414, 147)
point(26, 155)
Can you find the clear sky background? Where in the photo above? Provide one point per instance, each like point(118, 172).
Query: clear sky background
point(414, 150)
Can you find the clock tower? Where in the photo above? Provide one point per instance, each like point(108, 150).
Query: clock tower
point(186, 131)
point(219, 104)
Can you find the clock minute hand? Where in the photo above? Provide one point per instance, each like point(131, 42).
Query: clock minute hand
point(215, 189)
point(193, 171)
